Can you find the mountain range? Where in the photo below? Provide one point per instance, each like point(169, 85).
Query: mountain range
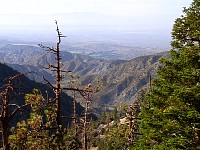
point(122, 79)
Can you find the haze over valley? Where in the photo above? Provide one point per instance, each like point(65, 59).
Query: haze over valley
point(129, 23)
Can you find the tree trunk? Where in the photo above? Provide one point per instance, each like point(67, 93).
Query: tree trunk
point(5, 135)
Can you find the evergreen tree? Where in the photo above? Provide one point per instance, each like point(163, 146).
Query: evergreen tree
point(171, 115)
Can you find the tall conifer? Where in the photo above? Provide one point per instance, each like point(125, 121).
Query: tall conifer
point(171, 115)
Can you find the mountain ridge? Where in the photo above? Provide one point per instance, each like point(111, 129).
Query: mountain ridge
point(122, 79)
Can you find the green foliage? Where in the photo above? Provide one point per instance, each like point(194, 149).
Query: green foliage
point(119, 133)
point(38, 132)
point(71, 141)
point(115, 138)
point(171, 114)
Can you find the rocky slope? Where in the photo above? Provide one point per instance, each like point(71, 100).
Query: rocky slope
point(124, 81)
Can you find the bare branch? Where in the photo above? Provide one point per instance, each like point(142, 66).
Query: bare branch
point(47, 48)
point(16, 110)
point(48, 83)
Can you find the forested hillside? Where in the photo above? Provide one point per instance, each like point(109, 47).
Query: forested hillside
point(171, 116)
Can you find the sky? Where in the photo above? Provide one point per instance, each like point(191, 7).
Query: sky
point(111, 7)
point(127, 16)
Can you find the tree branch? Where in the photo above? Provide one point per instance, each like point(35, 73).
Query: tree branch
point(16, 110)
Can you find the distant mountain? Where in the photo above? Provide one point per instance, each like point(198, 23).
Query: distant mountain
point(122, 79)
point(111, 51)
point(32, 58)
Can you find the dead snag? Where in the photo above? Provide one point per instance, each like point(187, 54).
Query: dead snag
point(56, 68)
point(8, 110)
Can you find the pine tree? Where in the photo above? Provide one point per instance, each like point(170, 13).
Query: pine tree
point(171, 115)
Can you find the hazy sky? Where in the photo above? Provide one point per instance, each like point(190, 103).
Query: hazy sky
point(114, 7)
point(128, 8)
point(126, 15)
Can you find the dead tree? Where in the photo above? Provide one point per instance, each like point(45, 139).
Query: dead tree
point(85, 137)
point(8, 110)
point(84, 92)
point(132, 123)
point(132, 116)
point(73, 86)
point(87, 96)
point(75, 121)
point(56, 68)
